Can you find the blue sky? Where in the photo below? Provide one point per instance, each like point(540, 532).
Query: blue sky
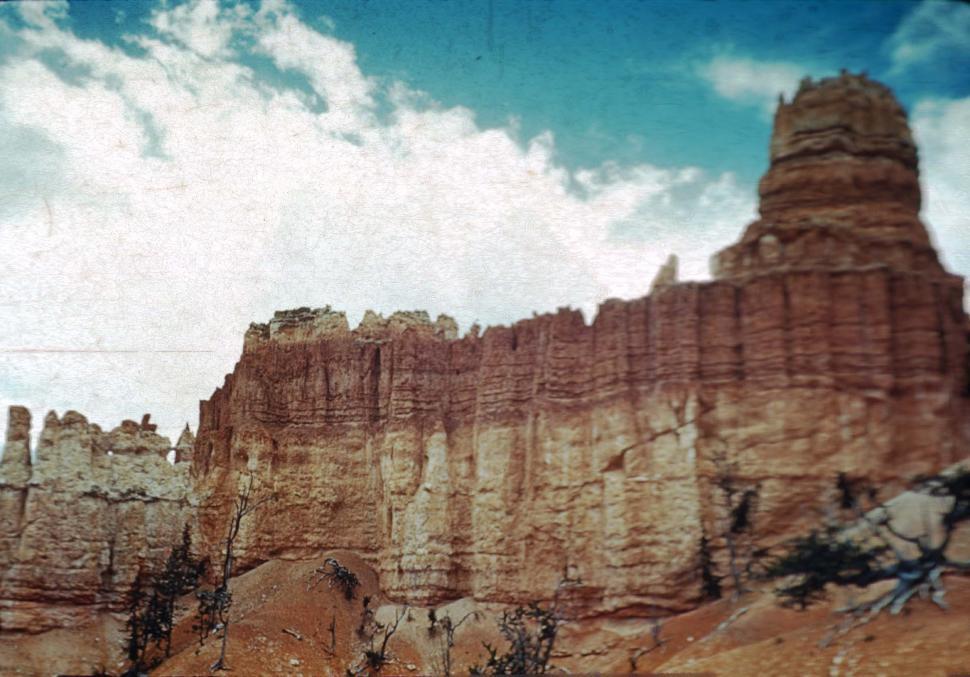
point(172, 171)
point(613, 79)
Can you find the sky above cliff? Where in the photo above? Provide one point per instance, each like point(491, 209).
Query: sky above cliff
point(171, 172)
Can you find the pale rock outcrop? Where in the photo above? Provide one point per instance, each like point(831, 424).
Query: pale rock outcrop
point(375, 324)
point(666, 276)
point(185, 446)
point(299, 324)
point(446, 327)
point(15, 464)
point(79, 523)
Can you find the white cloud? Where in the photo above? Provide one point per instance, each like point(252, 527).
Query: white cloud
point(202, 26)
point(330, 65)
point(181, 198)
point(747, 81)
point(42, 14)
point(941, 128)
point(934, 29)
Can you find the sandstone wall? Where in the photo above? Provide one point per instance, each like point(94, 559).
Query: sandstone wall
point(78, 522)
point(831, 340)
point(487, 465)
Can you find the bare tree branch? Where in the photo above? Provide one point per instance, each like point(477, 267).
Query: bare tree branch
point(213, 612)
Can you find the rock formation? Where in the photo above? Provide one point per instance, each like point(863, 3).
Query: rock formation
point(842, 190)
point(79, 520)
point(666, 276)
point(185, 446)
point(831, 340)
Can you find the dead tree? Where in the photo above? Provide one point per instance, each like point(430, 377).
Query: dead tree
point(152, 605)
point(332, 649)
point(214, 605)
point(531, 633)
point(874, 548)
point(139, 627)
point(180, 575)
point(710, 581)
point(741, 502)
point(366, 627)
point(445, 629)
point(655, 630)
point(336, 575)
point(375, 658)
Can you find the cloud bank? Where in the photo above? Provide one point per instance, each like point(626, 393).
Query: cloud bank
point(161, 197)
point(941, 128)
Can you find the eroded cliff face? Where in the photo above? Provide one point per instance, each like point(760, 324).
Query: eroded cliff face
point(79, 521)
point(831, 340)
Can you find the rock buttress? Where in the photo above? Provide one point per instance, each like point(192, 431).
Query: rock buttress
point(488, 466)
point(842, 189)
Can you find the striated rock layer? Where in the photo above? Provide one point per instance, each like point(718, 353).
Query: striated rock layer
point(831, 340)
point(79, 521)
point(842, 190)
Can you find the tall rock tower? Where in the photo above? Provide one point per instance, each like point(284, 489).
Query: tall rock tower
point(842, 190)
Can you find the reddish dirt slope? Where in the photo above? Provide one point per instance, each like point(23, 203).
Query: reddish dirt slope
point(753, 636)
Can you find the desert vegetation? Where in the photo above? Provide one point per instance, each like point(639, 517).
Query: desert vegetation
point(874, 547)
point(214, 605)
point(710, 579)
point(443, 629)
point(531, 635)
point(657, 641)
point(375, 637)
point(337, 576)
point(738, 501)
point(152, 606)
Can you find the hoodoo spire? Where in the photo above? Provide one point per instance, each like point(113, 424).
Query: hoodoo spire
point(842, 189)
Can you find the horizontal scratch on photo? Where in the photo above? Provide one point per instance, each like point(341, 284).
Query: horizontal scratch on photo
point(93, 350)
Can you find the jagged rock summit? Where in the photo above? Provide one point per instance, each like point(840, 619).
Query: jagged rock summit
point(830, 340)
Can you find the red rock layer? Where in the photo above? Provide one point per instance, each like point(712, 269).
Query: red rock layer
point(832, 341)
point(842, 190)
point(485, 466)
point(869, 329)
